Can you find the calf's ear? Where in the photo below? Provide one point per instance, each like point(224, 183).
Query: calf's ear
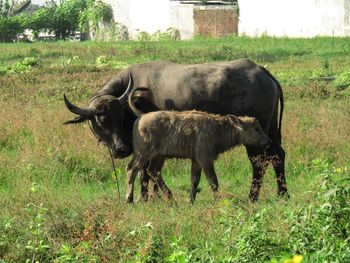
point(78, 119)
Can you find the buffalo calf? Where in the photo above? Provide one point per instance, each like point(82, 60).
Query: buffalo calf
point(195, 135)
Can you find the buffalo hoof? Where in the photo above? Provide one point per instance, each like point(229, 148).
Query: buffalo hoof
point(142, 198)
point(253, 198)
point(284, 195)
point(129, 200)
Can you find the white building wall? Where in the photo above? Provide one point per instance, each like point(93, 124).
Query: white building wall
point(141, 15)
point(181, 18)
point(292, 18)
point(297, 18)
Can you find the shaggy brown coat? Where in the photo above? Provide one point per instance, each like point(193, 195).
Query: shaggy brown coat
point(196, 135)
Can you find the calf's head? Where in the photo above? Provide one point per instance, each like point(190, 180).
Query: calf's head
point(107, 118)
point(251, 132)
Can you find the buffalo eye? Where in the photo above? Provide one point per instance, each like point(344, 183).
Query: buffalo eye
point(103, 119)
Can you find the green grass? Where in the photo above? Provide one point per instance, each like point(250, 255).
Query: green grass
point(58, 194)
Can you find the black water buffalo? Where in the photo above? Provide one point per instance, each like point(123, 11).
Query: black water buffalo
point(238, 87)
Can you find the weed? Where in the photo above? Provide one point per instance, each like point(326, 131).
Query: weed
point(37, 245)
point(342, 81)
point(322, 231)
point(179, 254)
point(102, 61)
point(70, 61)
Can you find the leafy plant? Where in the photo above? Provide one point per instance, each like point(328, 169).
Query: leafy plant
point(143, 36)
point(342, 81)
point(70, 60)
point(169, 34)
point(25, 65)
point(323, 231)
point(179, 253)
point(37, 244)
point(102, 61)
point(255, 242)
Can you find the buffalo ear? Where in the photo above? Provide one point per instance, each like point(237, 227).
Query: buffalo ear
point(78, 119)
point(141, 101)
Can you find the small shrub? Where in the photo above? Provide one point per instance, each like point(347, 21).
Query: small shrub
point(70, 61)
point(179, 254)
point(102, 61)
point(68, 253)
point(169, 34)
point(119, 65)
point(25, 65)
point(37, 247)
point(143, 36)
point(342, 81)
point(118, 31)
point(255, 243)
point(3, 71)
point(323, 231)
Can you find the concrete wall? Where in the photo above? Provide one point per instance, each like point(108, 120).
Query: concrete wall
point(181, 18)
point(294, 18)
point(141, 15)
point(153, 15)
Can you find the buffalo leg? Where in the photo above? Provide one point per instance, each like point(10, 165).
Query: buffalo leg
point(154, 169)
point(195, 178)
point(259, 163)
point(210, 174)
point(277, 158)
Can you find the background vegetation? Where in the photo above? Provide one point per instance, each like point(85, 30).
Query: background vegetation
point(63, 18)
point(57, 191)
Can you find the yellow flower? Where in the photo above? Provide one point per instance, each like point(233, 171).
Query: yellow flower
point(341, 170)
point(295, 259)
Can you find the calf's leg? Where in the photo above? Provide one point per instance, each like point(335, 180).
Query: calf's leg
point(154, 169)
point(195, 178)
point(148, 186)
point(208, 168)
point(144, 182)
point(133, 169)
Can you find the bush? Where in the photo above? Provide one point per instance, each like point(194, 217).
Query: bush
point(25, 65)
point(102, 61)
point(169, 34)
point(342, 81)
point(323, 231)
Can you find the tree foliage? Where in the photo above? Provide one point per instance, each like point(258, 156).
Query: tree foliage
point(63, 19)
point(11, 20)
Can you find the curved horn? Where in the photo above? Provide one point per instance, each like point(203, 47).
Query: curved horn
point(127, 91)
point(78, 110)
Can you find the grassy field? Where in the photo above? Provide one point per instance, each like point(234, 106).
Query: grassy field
point(58, 194)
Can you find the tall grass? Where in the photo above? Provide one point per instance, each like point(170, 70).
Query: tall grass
point(57, 190)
